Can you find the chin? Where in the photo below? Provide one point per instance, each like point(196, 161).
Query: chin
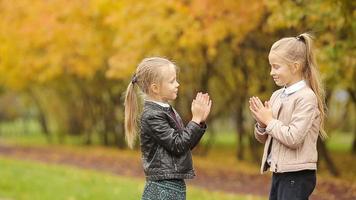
point(279, 83)
point(174, 97)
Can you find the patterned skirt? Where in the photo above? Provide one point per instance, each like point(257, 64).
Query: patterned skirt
point(174, 189)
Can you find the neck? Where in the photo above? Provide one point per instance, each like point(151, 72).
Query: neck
point(295, 80)
point(155, 98)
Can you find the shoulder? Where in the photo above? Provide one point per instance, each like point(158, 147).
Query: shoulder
point(150, 114)
point(306, 96)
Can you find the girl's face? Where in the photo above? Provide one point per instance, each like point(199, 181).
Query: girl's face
point(167, 90)
point(282, 73)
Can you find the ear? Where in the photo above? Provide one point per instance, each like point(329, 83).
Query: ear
point(154, 88)
point(296, 67)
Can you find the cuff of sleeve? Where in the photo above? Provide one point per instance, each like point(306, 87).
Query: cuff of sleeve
point(270, 125)
point(201, 125)
point(260, 129)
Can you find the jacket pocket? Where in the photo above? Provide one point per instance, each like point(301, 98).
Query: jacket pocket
point(166, 160)
point(290, 156)
point(184, 163)
point(155, 161)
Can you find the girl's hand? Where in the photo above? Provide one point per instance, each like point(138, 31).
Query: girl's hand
point(200, 107)
point(207, 103)
point(253, 107)
point(262, 113)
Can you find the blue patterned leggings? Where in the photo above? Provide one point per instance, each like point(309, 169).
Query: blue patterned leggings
point(174, 189)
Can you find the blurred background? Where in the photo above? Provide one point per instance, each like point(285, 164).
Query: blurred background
point(65, 65)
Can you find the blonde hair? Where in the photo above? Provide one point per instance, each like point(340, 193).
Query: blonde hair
point(148, 71)
point(300, 49)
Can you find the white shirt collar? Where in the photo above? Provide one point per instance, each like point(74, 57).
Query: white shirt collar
point(166, 105)
point(295, 87)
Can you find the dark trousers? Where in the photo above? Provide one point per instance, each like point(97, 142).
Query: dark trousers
point(293, 185)
point(173, 189)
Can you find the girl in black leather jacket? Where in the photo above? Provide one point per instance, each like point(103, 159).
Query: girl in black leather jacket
point(165, 142)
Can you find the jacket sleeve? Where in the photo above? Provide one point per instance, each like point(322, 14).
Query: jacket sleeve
point(203, 128)
point(172, 140)
point(293, 134)
point(260, 134)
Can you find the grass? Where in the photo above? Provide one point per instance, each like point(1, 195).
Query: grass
point(25, 180)
point(339, 142)
point(224, 143)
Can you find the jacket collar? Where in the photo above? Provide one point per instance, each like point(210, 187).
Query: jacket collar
point(156, 106)
point(159, 103)
point(295, 87)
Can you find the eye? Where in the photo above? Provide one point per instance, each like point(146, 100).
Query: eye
point(276, 66)
point(174, 79)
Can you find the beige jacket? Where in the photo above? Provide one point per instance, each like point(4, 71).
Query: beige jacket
point(293, 132)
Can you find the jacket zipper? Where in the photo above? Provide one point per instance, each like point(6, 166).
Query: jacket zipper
point(175, 119)
point(279, 146)
point(276, 164)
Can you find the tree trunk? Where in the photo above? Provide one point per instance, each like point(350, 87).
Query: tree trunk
point(239, 131)
point(204, 87)
point(353, 149)
point(105, 138)
point(254, 149)
point(119, 136)
point(42, 120)
point(88, 139)
point(353, 99)
point(322, 150)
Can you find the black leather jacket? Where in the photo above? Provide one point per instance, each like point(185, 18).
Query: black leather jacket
point(166, 144)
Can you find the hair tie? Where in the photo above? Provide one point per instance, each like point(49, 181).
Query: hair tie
point(134, 79)
point(300, 38)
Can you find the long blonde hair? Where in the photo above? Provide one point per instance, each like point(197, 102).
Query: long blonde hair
point(148, 71)
point(300, 49)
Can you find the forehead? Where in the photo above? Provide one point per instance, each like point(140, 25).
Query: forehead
point(275, 58)
point(169, 70)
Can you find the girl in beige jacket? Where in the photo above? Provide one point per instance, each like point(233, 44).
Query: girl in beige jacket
point(290, 122)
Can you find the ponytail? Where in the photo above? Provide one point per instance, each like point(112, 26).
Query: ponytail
point(311, 73)
point(131, 108)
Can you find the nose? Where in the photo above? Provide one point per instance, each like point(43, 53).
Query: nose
point(272, 72)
